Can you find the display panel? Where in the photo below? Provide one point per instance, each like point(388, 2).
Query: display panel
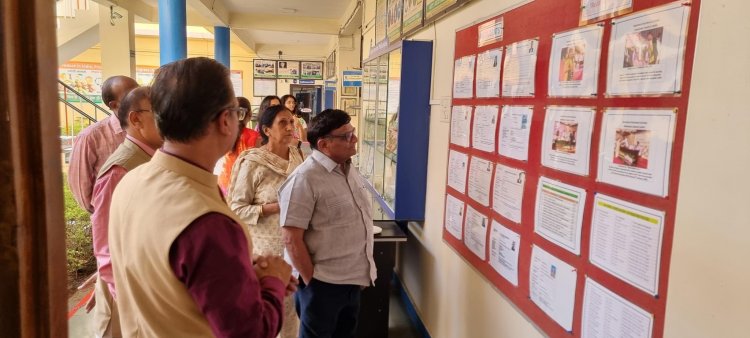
point(587, 163)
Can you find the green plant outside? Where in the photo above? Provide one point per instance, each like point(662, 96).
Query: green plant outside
point(78, 241)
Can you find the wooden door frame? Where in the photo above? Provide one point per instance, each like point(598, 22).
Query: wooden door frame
point(32, 227)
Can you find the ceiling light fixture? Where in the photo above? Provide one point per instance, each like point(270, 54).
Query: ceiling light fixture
point(288, 10)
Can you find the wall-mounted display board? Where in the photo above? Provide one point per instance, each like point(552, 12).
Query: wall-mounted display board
point(264, 87)
point(564, 158)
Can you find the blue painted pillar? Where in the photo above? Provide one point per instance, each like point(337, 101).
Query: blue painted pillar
point(221, 45)
point(172, 31)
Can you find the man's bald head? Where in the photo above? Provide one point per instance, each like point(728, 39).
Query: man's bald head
point(114, 90)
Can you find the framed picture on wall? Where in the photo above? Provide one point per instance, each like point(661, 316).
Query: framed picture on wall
point(349, 105)
point(312, 70)
point(349, 91)
point(264, 69)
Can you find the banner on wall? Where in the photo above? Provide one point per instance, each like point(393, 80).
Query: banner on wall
point(433, 7)
point(394, 20)
point(412, 14)
point(84, 77)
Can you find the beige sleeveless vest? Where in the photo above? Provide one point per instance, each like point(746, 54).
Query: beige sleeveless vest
point(151, 206)
point(128, 155)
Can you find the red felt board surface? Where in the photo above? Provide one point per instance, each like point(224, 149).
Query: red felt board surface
point(541, 19)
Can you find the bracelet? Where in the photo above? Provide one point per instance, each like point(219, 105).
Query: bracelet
point(261, 210)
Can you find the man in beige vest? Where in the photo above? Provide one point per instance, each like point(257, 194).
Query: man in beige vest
point(180, 256)
point(137, 119)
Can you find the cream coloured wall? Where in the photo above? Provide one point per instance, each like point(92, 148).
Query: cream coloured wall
point(710, 270)
point(710, 273)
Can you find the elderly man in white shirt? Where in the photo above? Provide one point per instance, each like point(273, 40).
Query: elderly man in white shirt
point(328, 230)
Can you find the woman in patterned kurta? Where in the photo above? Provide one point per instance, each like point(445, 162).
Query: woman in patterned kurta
point(256, 177)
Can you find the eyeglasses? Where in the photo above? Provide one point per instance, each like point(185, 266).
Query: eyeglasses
point(241, 112)
point(346, 136)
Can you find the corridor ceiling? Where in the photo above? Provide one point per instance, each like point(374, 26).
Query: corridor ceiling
point(299, 28)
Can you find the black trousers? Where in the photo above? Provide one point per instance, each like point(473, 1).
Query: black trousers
point(327, 310)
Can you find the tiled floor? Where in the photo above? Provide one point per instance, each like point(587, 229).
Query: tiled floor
point(79, 326)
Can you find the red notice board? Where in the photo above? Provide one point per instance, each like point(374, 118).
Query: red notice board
point(540, 20)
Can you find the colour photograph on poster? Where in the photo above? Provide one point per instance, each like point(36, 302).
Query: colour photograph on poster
point(463, 77)
point(454, 216)
point(595, 10)
point(647, 50)
point(566, 142)
point(574, 62)
point(519, 68)
point(488, 72)
point(265, 69)
point(635, 149)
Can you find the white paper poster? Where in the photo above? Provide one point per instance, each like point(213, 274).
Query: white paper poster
point(488, 73)
point(458, 165)
point(463, 77)
point(593, 10)
point(476, 232)
point(559, 213)
point(490, 32)
point(454, 216)
point(480, 180)
point(635, 151)
point(647, 50)
point(552, 286)
point(606, 314)
point(513, 135)
point(504, 247)
point(485, 128)
point(626, 241)
point(566, 142)
point(574, 62)
point(519, 68)
point(460, 124)
point(507, 193)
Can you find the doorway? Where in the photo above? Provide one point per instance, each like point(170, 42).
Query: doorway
point(309, 99)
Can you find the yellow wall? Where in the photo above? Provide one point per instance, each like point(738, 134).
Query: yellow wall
point(147, 54)
point(710, 273)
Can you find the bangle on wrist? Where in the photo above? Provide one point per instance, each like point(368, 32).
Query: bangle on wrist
point(261, 210)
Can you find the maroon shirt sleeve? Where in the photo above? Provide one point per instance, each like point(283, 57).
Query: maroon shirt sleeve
point(211, 258)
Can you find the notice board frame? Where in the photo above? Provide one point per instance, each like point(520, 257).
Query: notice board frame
point(541, 19)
